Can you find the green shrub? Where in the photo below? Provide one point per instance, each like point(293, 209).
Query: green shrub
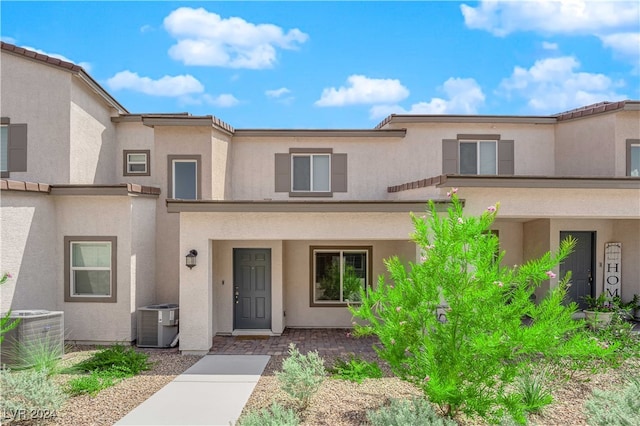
point(276, 415)
point(301, 375)
point(93, 383)
point(452, 324)
point(356, 369)
point(29, 391)
point(120, 358)
point(416, 411)
point(534, 391)
point(615, 408)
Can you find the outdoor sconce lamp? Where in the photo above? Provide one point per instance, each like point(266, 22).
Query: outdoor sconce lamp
point(191, 258)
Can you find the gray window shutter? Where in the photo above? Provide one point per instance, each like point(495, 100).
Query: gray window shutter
point(17, 148)
point(339, 173)
point(505, 158)
point(450, 157)
point(283, 172)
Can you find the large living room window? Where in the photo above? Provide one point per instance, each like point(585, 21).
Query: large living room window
point(311, 172)
point(338, 274)
point(90, 269)
point(478, 157)
point(633, 157)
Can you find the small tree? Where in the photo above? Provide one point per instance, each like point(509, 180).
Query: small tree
point(452, 324)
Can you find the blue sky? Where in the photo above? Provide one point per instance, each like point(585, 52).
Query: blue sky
point(342, 64)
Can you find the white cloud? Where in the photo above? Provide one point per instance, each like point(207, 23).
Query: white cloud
point(224, 100)
point(463, 96)
point(204, 38)
point(171, 86)
point(8, 39)
point(85, 65)
point(276, 93)
point(554, 84)
point(615, 23)
point(624, 44)
point(363, 90)
point(146, 28)
point(549, 46)
point(551, 16)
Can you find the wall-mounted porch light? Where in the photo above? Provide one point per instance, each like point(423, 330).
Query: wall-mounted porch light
point(191, 258)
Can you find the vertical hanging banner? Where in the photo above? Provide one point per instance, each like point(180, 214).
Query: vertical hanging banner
point(612, 269)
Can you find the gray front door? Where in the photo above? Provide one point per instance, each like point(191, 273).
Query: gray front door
point(252, 288)
point(581, 263)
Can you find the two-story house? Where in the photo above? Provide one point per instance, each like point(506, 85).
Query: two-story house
point(100, 207)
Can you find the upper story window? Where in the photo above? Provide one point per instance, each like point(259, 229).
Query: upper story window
point(13, 147)
point(308, 172)
point(136, 163)
point(90, 269)
point(476, 154)
point(478, 157)
point(311, 172)
point(184, 177)
point(633, 157)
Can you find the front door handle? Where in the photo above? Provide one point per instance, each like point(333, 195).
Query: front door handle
point(589, 276)
point(236, 296)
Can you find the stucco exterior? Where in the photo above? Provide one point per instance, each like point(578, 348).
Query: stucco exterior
point(558, 173)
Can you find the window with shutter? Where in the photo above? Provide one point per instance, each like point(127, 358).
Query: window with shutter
point(13, 147)
point(305, 172)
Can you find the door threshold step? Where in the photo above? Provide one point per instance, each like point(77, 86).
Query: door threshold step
point(247, 332)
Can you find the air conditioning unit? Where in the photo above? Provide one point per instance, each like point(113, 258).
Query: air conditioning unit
point(158, 325)
point(37, 330)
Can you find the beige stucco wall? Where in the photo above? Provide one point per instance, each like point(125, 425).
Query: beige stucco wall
point(586, 147)
point(92, 142)
point(39, 95)
point(220, 166)
point(297, 287)
point(28, 251)
point(76, 216)
point(135, 136)
point(627, 127)
point(536, 242)
point(175, 140)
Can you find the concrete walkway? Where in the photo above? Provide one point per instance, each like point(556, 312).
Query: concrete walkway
point(211, 392)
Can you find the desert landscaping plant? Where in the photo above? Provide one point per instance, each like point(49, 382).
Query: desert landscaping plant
point(452, 324)
point(301, 375)
point(615, 407)
point(355, 369)
point(6, 322)
point(276, 415)
point(416, 411)
point(29, 392)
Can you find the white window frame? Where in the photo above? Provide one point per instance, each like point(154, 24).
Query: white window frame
point(632, 147)
point(478, 161)
point(173, 175)
point(129, 163)
point(367, 251)
point(71, 295)
point(311, 183)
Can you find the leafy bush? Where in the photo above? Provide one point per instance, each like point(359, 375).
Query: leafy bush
point(301, 375)
point(118, 358)
point(29, 391)
point(94, 382)
point(356, 369)
point(453, 323)
point(276, 415)
point(416, 411)
point(615, 408)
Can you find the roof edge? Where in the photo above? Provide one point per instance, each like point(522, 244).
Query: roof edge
point(376, 133)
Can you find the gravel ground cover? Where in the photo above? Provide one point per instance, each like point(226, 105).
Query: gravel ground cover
point(337, 403)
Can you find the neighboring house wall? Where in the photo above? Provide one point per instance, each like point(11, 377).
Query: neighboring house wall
point(586, 146)
point(28, 251)
point(39, 95)
point(92, 138)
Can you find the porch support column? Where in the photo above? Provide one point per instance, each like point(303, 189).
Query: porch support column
point(196, 314)
point(277, 288)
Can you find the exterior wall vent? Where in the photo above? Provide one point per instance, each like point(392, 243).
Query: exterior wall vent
point(37, 330)
point(158, 325)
